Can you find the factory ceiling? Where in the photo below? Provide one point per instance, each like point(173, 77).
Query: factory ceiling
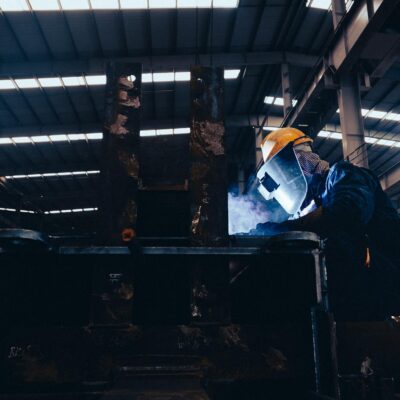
point(52, 84)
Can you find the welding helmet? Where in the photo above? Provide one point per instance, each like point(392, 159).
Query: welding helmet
point(281, 177)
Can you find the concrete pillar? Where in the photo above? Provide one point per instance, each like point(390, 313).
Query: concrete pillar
point(351, 120)
point(286, 94)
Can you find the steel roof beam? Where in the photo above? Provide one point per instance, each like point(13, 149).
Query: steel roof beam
point(390, 179)
point(154, 63)
point(350, 38)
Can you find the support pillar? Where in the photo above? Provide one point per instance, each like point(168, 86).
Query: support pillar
point(351, 120)
point(208, 180)
point(120, 172)
point(286, 94)
point(338, 11)
point(258, 154)
point(209, 195)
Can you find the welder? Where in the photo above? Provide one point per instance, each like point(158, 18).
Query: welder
point(346, 205)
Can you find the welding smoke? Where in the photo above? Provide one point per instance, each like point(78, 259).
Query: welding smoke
point(245, 212)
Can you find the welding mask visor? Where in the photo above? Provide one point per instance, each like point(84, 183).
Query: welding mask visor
point(281, 178)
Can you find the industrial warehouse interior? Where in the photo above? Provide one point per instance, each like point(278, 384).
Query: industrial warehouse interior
point(200, 199)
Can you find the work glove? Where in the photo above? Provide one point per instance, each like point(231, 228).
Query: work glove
point(268, 229)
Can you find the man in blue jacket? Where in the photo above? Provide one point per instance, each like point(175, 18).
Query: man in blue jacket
point(346, 205)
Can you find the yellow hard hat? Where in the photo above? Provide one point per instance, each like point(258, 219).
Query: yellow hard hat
point(278, 139)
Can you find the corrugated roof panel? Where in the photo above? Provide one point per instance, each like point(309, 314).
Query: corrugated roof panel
point(222, 19)
point(164, 102)
point(8, 44)
point(111, 32)
point(136, 30)
point(20, 108)
point(42, 107)
point(83, 30)
point(28, 33)
point(162, 30)
point(83, 104)
point(56, 34)
point(186, 31)
point(61, 104)
point(242, 34)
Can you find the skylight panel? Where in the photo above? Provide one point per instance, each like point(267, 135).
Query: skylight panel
point(181, 131)
point(75, 4)
point(96, 79)
point(183, 76)
point(392, 116)
point(6, 140)
point(194, 3)
point(324, 134)
point(225, 3)
point(104, 4)
point(50, 82)
point(147, 78)
point(94, 136)
point(27, 83)
point(376, 114)
point(148, 132)
point(335, 135)
point(6, 84)
point(134, 4)
point(278, 101)
point(269, 100)
point(40, 139)
point(320, 4)
point(370, 140)
point(163, 77)
point(165, 131)
point(231, 73)
point(21, 139)
point(44, 5)
point(364, 112)
point(14, 5)
point(73, 81)
point(76, 136)
point(162, 3)
point(58, 138)
point(386, 142)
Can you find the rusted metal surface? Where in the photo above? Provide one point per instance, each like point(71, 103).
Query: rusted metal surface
point(208, 175)
point(120, 170)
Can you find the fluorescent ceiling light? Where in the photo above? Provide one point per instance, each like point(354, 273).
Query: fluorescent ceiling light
point(14, 5)
point(321, 4)
point(278, 101)
point(52, 174)
point(40, 139)
point(370, 140)
point(269, 100)
point(163, 77)
point(27, 83)
point(194, 3)
point(182, 76)
point(6, 84)
point(76, 136)
point(385, 142)
point(75, 4)
point(44, 5)
point(133, 4)
point(162, 3)
point(7, 209)
point(96, 79)
point(231, 73)
point(148, 132)
point(225, 3)
point(376, 114)
point(22, 139)
point(94, 136)
point(165, 131)
point(270, 128)
point(73, 81)
point(5, 140)
point(181, 131)
point(392, 116)
point(104, 4)
point(50, 82)
point(58, 138)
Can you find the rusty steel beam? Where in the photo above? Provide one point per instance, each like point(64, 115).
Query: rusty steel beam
point(120, 169)
point(208, 175)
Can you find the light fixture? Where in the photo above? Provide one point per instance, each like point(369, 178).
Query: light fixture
point(6, 84)
point(44, 5)
point(5, 140)
point(96, 80)
point(14, 5)
point(269, 100)
point(165, 132)
point(73, 81)
point(40, 139)
point(376, 114)
point(22, 139)
point(104, 4)
point(231, 73)
point(320, 4)
point(75, 4)
point(148, 132)
point(94, 136)
point(76, 136)
point(58, 138)
point(181, 131)
point(183, 76)
point(163, 77)
point(50, 82)
point(27, 83)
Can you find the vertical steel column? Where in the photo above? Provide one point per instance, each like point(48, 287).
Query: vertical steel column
point(351, 121)
point(258, 133)
point(338, 11)
point(286, 94)
point(208, 175)
point(121, 133)
point(241, 181)
point(209, 195)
